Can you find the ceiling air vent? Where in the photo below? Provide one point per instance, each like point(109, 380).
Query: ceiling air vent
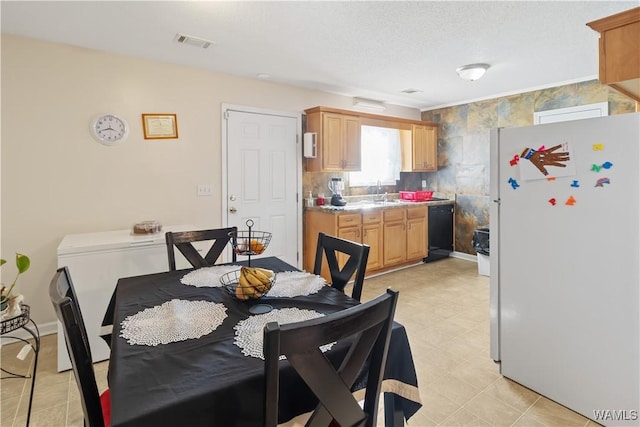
point(193, 41)
point(410, 91)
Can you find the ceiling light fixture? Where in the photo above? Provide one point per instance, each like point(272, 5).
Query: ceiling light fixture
point(369, 103)
point(472, 72)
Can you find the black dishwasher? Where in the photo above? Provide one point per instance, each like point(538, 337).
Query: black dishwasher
point(440, 231)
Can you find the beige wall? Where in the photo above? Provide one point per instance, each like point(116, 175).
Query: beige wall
point(57, 180)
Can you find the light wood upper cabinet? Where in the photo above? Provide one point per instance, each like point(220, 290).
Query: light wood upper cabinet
point(339, 133)
point(420, 148)
point(338, 139)
point(619, 50)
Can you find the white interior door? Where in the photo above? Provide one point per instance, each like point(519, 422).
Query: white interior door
point(263, 171)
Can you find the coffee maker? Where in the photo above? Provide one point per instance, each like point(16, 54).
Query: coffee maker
point(336, 185)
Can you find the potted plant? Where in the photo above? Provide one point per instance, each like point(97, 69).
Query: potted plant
point(8, 301)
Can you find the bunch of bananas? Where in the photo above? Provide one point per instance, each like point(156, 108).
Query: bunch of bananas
point(253, 283)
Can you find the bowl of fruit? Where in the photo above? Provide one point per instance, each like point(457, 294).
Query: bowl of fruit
point(248, 282)
point(250, 242)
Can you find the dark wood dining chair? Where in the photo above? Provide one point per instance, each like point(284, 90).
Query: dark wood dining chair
point(357, 253)
point(183, 241)
point(367, 329)
point(96, 406)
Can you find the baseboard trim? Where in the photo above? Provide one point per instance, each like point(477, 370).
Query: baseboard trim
point(464, 256)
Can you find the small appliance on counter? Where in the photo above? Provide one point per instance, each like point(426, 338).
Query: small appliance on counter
point(336, 185)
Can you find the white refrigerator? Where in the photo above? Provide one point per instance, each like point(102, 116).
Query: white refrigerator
point(564, 238)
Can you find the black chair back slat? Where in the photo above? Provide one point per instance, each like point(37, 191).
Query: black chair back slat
point(366, 328)
point(65, 303)
point(358, 253)
point(183, 241)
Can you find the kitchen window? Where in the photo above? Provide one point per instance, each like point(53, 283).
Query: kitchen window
point(381, 158)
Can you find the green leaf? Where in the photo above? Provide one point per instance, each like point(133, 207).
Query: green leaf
point(3, 261)
point(22, 262)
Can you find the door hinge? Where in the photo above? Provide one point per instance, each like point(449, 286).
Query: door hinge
point(297, 256)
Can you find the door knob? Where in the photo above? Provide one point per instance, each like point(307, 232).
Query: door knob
point(233, 210)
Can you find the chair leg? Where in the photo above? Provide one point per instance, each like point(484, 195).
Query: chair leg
point(393, 416)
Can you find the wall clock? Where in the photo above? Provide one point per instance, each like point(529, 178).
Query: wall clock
point(109, 129)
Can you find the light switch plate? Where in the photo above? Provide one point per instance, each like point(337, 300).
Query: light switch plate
point(424, 183)
point(204, 190)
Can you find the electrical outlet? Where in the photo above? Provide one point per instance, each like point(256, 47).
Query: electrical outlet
point(424, 183)
point(204, 190)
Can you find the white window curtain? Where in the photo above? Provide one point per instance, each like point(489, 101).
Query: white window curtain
point(380, 157)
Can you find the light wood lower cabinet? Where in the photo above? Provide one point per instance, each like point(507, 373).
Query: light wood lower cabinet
point(372, 236)
point(417, 239)
point(349, 228)
point(395, 235)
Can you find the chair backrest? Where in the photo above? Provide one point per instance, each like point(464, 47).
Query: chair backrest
point(183, 241)
point(357, 253)
point(65, 303)
point(367, 327)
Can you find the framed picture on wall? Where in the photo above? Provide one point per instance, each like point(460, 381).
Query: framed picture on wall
point(159, 126)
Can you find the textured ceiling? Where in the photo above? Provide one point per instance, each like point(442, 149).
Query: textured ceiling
point(367, 49)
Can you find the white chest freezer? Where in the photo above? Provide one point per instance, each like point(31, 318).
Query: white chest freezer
point(96, 261)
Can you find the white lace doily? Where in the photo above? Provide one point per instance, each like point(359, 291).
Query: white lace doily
point(249, 332)
point(296, 283)
point(207, 276)
point(173, 321)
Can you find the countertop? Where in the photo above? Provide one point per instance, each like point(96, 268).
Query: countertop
point(365, 205)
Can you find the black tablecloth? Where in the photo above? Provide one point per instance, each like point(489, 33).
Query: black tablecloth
point(208, 381)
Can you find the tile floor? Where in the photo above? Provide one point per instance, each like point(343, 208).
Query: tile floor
point(444, 307)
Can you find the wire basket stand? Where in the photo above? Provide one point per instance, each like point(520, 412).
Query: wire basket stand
point(249, 243)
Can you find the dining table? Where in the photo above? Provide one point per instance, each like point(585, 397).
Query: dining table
point(183, 352)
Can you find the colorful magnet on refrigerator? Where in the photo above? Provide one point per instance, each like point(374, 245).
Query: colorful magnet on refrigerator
point(552, 201)
point(598, 147)
point(596, 168)
point(607, 165)
point(514, 183)
point(575, 183)
point(527, 153)
point(551, 178)
point(515, 160)
point(541, 148)
point(570, 201)
point(600, 182)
